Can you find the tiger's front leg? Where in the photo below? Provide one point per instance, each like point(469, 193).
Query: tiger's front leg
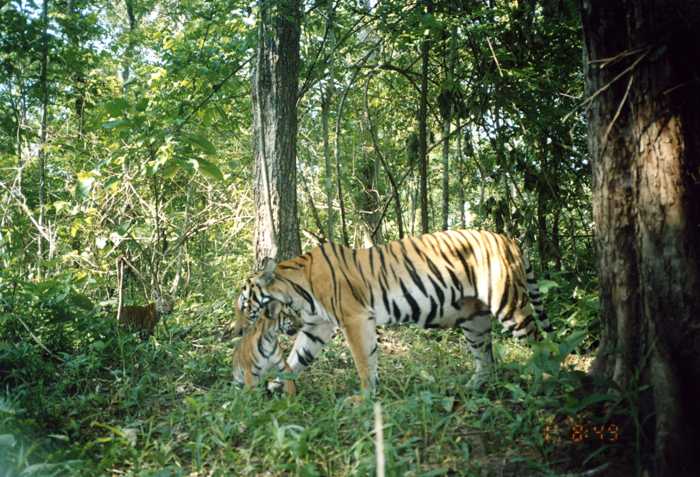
point(312, 337)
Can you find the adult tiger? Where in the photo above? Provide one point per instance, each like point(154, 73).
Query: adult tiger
point(258, 352)
point(446, 279)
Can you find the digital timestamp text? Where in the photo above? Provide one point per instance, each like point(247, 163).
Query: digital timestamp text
point(581, 432)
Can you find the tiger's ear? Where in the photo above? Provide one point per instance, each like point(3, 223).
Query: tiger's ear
point(268, 272)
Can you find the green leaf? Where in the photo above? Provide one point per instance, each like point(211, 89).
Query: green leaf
point(116, 107)
point(115, 124)
point(81, 301)
point(209, 169)
point(7, 440)
point(578, 406)
point(546, 285)
point(202, 143)
point(171, 167)
point(83, 186)
point(111, 181)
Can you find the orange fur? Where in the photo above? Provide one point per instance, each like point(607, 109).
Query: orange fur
point(144, 318)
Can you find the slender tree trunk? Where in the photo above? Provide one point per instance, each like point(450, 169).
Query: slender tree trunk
point(543, 205)
point(460, 189)
point(423, 127)
point(44, 124)
point(328, 176)
point(642, 68)
point(387, 169)
point(368, 199)
point(326, 101)
point(126, 68)
point(447, 120)
point(338, 122)
point(554, 239)
point(446, 171)
point(275, 85)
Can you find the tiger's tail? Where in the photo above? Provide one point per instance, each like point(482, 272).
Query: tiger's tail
point(533, 291)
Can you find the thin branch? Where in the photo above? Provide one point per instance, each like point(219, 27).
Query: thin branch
point(20, 200)
point(603, 88)
point(38, 341)
point(385, 165)
point(617, 112)
point(495, 59)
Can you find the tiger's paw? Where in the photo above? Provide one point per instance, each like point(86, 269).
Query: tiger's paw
point(356, 400)
point(278, 387)
point(477, 381)
point(275, 387)
point(365, 396)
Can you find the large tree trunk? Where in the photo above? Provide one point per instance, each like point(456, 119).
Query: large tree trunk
point(275, 85)
point(642, 70)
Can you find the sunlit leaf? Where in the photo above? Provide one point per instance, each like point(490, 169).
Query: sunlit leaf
point(116, 124)
point(202, 143)
point(116, 107)
point(209, 169)
point(83, 185)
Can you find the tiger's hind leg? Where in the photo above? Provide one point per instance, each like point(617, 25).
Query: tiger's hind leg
point(361, 335)
point(477, 331)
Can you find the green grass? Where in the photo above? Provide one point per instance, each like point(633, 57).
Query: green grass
point(167, 407)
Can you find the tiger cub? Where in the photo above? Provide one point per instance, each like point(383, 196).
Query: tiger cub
point(257, 351)
point(144, 318)
point(463, 279)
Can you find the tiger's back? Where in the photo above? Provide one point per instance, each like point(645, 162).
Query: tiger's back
point(428, 280)
point(141, 318)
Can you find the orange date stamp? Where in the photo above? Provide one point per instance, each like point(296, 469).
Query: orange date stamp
point(580, 431)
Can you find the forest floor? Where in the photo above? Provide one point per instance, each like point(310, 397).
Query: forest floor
point(167, 407)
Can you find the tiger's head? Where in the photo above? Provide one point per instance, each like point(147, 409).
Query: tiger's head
point(257, 351)
point(164, 303)
point(275, 316)
point(254, 296)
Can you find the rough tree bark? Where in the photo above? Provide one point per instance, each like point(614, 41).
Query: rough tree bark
point(642, 69)
point(275, 85)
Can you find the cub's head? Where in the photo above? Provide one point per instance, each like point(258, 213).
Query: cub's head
point(164, 304)
point(274, 314)
point(254, 295)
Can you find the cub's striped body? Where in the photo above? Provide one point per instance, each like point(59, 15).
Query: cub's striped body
point(447, 279)
point(258, 350)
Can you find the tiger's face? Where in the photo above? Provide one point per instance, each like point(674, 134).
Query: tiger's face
point(274, 315)
point(257, 351)
point(254, 296)
point(164, 304)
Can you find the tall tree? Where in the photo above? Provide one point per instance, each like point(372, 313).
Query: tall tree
point(275, 87)
point(423, 124)
point(642, 69)
point(446, 99)
point(44, 124)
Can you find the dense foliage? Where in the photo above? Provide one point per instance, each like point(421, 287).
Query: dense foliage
point(125, 135)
